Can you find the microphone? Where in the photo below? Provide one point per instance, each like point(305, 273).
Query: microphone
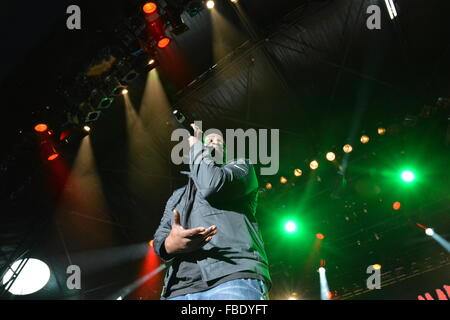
point(184, 121)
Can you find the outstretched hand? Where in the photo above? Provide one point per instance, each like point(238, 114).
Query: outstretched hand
point(181, 240)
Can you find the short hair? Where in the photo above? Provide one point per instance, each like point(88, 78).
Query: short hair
point(212, 131)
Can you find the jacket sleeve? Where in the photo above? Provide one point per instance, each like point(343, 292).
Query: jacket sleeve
point(233, 180)
point(164, 228)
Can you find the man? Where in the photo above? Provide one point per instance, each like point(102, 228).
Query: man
point(209, 234)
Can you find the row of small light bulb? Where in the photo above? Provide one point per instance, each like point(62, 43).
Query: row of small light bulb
point(330, 156)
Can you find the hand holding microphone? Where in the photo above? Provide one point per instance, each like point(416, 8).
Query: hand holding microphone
point(194, 130)
point(198, 133)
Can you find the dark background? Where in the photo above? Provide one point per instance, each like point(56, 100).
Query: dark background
point(309, 68)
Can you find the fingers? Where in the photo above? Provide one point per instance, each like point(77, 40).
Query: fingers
point(201, 232)
point(193, 232)
point(176, 218)
point(211, 230)
point(197, 130)
point(208, 235)
point(205, 241)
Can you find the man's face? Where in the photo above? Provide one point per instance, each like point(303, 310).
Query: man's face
point(216, 141)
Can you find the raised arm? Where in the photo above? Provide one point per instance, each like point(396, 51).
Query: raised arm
point(231, 180)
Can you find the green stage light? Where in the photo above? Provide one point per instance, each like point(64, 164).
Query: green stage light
point(290, 226)
point(408, 176)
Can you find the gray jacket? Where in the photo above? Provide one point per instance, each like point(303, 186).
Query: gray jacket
point(226, 197)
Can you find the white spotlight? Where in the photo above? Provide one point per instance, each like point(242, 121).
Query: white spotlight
point(210, 4)
point(391, 8)
point(293, 296)
point(124, 91)
point(429, 232)
point(33, 276)
point(87, 128)
point(324, 289)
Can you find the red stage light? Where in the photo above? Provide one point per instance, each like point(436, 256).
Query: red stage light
point(53, 157)
point(41, 127)
point(320, 236)
point(164, 42)
point(149, 7)
point(65, 134)
point(396, 205)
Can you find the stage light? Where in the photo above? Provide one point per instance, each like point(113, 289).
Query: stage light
point(194, 7)
point(439, 239)
point(164, 42)
point(48, 151)
point(118, 90)
point(396, 205)
point(347, 148)
point(32, 276)
point(110, 84)
point(376, 266)
point(87, 128)
point(283, 180)
point(105, 103)
point(298, 172)
point(293, 296)
point(324, 289)
point(391, 9)
point(290, 226)
point(320, 236)
point(41, 127)
point(268, 186)
point(234, 1)
point(124, 91)
point(145, 64)
point(364, 139)
point(408, 176)
point(155, 26)
point(53, 157)
point(314, 165)
point(330, 156)
point(150, 243)
point(97, 97)
point(149, 7)
point(381, 131)
point(210, 4)
point(173, 15)
point(93, 116)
